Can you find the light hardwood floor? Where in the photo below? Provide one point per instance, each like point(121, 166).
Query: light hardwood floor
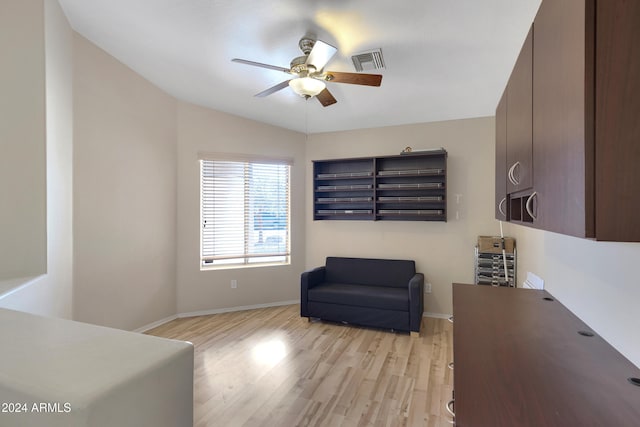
point(270, 367)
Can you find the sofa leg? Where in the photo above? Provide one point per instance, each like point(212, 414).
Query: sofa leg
point(415, 334)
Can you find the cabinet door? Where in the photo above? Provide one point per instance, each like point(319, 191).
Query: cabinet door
point(617, 132)
point(562, 139)
point(501, 159)
point(519, 115)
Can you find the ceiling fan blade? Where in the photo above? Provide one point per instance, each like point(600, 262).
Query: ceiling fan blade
point(354, 78)
point(273, 89)
point(326, 98)
point(320, 54)
point(260, 64)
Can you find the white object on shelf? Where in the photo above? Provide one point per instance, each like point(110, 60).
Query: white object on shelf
point(533, 282)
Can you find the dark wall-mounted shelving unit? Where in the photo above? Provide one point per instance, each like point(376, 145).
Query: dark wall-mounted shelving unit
point(407, 187)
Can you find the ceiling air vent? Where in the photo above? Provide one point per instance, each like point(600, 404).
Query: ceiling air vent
point(369, 60)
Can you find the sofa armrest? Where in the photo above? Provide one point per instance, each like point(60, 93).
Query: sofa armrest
point(308, 280)
point(416, 301)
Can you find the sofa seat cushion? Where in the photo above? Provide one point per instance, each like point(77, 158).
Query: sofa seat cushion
point(388, 298)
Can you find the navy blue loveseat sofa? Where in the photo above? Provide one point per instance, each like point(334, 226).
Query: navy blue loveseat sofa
point(382, 293)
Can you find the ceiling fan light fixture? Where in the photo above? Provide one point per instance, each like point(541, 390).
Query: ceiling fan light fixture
point(309, 76)
point(307, 86)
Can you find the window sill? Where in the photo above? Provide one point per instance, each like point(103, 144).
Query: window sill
point(243, 266)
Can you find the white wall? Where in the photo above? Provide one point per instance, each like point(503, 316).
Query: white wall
point(597, 281)
point(443, 251)
point(23, 232)
point(51, 294)
point(124, 194)
point(203, 130)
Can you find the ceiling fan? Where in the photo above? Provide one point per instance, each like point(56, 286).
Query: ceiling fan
point(308, 75)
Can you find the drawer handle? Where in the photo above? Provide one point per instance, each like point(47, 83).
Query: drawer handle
point(502, 202)
point(512, 174)
point(450, 319)
point(450, 365)
point(529, 203)
point(449, 407)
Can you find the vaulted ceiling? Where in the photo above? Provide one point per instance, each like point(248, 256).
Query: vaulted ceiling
point(444, 59)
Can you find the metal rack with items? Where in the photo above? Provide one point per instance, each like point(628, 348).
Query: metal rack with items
point(492, 257)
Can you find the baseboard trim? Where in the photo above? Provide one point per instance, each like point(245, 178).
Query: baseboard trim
point(243, 308)
point(155, 324)
point(436, 315)
point(238, 308)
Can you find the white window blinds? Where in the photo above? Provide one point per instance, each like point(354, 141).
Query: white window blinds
point(244, 212)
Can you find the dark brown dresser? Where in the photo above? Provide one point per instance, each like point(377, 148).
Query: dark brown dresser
point(522, 359)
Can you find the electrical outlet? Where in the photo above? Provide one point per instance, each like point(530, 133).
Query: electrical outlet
point(234, 284)
point(427, 288)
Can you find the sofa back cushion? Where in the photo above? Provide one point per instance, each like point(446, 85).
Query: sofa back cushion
point(369, 271)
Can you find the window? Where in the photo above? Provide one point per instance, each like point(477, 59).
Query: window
point(244, 212)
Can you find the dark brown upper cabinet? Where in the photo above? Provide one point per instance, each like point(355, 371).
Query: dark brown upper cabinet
point(617, 120)
point(563, 154)
point(519, 133)
point(501, 159)
point(585, 126)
